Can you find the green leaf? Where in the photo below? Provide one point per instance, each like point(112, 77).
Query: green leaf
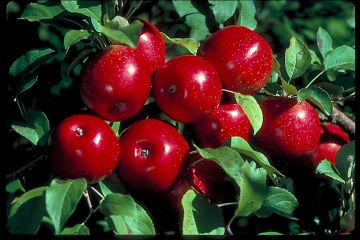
point(222, 10)
point(188, 43)
point(289, 88)
point(276, 67)
point(73, 36)
point(247, 14)
point(279, 201)
point(30, 60)
point(345, 160)
point(25, 84)
point(62, 198)
point(111, 184)
point(253, 189)
point(35, 128)
point(334, 90)
point(115, 126)
point(118, 22)
point(26, 212)
point(36, 11)
point(125, 216)
point(270, 234)
point(297, 58)
point(78, 229)
point(116, 36)
point(90, 9)
point(243, 147)
point(14, 186)
point(200, 216)
point(251, 109)
point(325, 167)
point(317, 96)
point(110, 8)
point(193, 18)
point(314, 58)
point(341, 58)
point(324, 41)
point(228, 159)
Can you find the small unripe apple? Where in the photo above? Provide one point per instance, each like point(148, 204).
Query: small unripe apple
point(84, 146)
point(152, 155)
point(115, 83)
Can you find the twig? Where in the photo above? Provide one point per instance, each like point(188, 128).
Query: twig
point(97, 192)
point(227, 204)
point(23, 168)
point(339, 117)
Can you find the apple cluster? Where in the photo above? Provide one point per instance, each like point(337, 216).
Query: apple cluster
point(151, 155)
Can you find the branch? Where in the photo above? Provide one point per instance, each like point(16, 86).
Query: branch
point(23, 168)
point(339, 117)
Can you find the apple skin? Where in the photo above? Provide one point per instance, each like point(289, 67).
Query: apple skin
point(115, 84)
point(242, 58)
point(207, 177)
point(187, 88)
point(152, 156)
point(290, 128)
point(228, 120)
point(151, 46)
point(84, 146)
point(331, 139)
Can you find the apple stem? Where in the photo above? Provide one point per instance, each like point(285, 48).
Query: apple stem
point(227, 204)
point(97, 192)
point(229, 91)
point(91, 209)
point(193, 152)
point(316, 77)
point(228, 229)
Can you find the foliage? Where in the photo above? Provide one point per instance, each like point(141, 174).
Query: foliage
point(43, 90)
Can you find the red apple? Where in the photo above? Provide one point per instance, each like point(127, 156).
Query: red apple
point(151, 46)
point(331, 139)
point(290, 128)
point(187, 88)
point(115, 83)
point(242, 58)
point(152, 155)
point(84, 146)
point(228, 120)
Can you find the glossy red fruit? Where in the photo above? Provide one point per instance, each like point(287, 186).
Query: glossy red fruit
point(290, 128)
point(331, 139)
point(152, 155)
point(84, 146)
point(242, 58)
point(228, 120)
point(115, 83)
point(207, 178)
point(187, 88)
point(151, 46)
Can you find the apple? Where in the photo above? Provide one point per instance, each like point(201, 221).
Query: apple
point(115, 83)
point(151, 46)
point(242, 58)
point(84, 146)
point(331, 139)
point(152, 155)
point(290, 128)
point(227, 120)
point(187, 88)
